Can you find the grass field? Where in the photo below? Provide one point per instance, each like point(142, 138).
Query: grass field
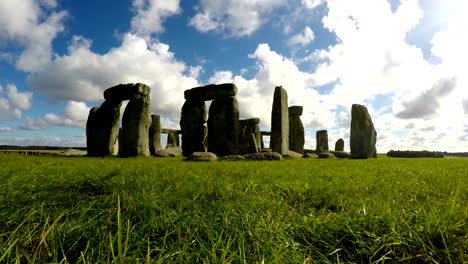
point(165, 210)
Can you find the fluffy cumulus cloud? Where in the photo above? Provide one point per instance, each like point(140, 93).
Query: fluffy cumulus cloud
point(150, 15)
point(304, 38)
point(33, 25)
point(136, 60)
point(13, 103)
point(236, 17)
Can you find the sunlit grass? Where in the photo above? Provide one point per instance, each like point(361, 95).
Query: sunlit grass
point(165, 210)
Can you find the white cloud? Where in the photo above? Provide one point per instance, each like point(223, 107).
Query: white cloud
point(150, 15)
point(136, 60)
point(303, 39)
point(19, 100)
point(235, 17)
point(13, 103)
point(5, 129)
point(33, 25)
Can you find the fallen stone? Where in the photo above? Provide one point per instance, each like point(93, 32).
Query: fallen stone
point(202, 156)
point(325, 155)
point(169, 152)
point(279, 140)
point(341, 154)
point(233, 157)
point(309, 156)
point(211, 92)
point(363, 136)
point(264, 156)
point(339, 145)
point(294, 154)
point(123, 92)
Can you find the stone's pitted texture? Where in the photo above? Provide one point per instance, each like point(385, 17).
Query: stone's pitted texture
point(264, 156)
point(192, 123)
point(310, 156)
point(223, 127)
point(202, 156)
point(341, 154)
point(339, 145)
point(279, 140)
point(325, 155)
point(172, 139)
point(322, 140)
point(103, 128)
point(295, 110)
point(136, 121)
point(155, 134)
point(123, 92)
point(211, 92)
point(169, 152)
point(363, 135)
point(252, 142)
point(296, 129)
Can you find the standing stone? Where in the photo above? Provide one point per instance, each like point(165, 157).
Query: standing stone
point(247, 127)
point(103, 128)
point(252, 142)
point(223, 126)
point(91, 140)
point(363, 135)
point(155, 134)
point(192, 123)
point(322, 140)
point(339, 145)
point(279, 141)
point(135, 126)
point(296, 129)
point(172, 139)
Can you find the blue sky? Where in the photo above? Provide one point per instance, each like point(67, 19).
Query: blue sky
point(405, 60)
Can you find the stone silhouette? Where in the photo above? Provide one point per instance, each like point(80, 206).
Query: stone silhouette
point(155, 134)
point(322, 140)
point(296, 129)
point(223, 126)
point(102, 127)
point(192, 123)
point(339, 145)
point(247, 129)
point(279, 140)
point(363, 135)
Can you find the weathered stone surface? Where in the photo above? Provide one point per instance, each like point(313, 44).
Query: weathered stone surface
point(192, 123)
point(309, 156)
point(294, 154)
point(247, 127)
point(295, 110)
point(322, 140)
point(325, 155)
point(155, 134)
point(252, 142)
point(123, 92)
point(211, 92)
point(341, 154)
point(279, 141)
point(172, 139)
point(363, 135)
point(103, 129)
point(233, 157)
point(223, 127)
point(202, 156)
point(339, 145)
point(169, 152)
point(264, 156)
point(136, 121)
point(296, 130)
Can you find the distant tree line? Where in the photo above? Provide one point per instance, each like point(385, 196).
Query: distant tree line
point(415, 154)
point(11, 147)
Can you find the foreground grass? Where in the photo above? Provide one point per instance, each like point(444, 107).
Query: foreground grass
point(149, 210)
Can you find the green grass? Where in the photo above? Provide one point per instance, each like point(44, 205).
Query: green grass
point(165, 210)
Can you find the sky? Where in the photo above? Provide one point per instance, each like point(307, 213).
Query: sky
point(405, 60)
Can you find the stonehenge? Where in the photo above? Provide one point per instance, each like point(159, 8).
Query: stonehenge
point(223, 122)
point(220, 131)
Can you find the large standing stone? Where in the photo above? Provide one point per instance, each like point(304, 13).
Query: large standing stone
point(135, 126)
point(103, 128)
point(172, 139)
point(296, 129)
point(211, 92)
point(247, 127)
point(339, 145)
point(322, 140)
point(363, 135)
point(279, 141)
point(223, 127)
point(192, 123)
point(155, 134)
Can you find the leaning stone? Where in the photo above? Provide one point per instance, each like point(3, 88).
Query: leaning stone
point(155, 134)
point(296, 130)
point(295, 110)
point(202, 156)
point(123, 92)
point(136, 121)
point(341, 154)
point(339, 145)
point(325, 155)
point(309, 156)
point(279, 140)
point(363, 135)
point(211, 92)
point(192, 124)
point(169, 152)
point(322, 140)
point(233, 157)
point(223, 127)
